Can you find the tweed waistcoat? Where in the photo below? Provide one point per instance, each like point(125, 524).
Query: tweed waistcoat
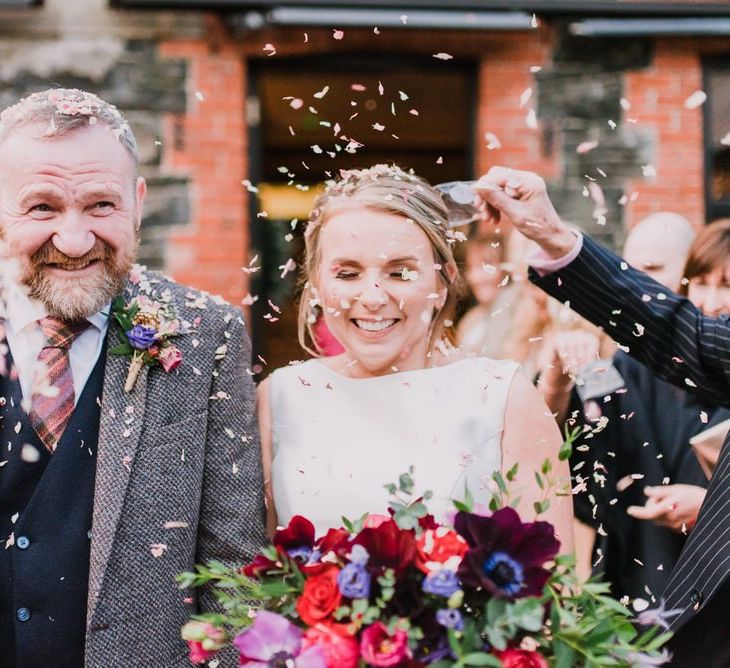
point(46, 504)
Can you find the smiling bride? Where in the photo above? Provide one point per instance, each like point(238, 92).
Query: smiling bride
point(380, 271)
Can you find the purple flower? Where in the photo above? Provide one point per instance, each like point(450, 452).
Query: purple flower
point(506, 556)
point(354, 580)
point(141, 337)
point(442, 583)
point(451, 619)
point(657, 616)
point(273, 641)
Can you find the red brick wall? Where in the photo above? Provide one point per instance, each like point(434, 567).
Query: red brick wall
point(657, 96)
point(209, 144)
point(504, 78)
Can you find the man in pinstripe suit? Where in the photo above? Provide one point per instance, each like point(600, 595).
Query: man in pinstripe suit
point(668, 334)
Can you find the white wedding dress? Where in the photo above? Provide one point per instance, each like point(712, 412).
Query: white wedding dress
point(337, 441)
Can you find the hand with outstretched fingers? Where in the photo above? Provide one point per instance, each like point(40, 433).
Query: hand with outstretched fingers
point(673, 506)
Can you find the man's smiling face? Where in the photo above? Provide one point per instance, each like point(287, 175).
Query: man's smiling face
point(70, 206)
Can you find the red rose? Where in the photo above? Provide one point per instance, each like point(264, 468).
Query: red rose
point(340, 649)
point(521, 658)
point(320, 597)
point(439, 546)
point(379, 648)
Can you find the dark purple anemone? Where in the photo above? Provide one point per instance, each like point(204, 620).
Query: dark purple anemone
point(506, 556)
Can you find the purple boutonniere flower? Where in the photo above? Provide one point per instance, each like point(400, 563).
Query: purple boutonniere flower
point(141, 337)
point(148, 328)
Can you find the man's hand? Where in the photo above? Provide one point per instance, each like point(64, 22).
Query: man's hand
point(522, 197)
point(672, 506)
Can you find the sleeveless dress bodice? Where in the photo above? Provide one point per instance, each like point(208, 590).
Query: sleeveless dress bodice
point(336, 441)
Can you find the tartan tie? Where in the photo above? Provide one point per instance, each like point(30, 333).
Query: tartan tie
point(53, 397)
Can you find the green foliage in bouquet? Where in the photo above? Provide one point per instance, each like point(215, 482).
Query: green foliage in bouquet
point(404, 590)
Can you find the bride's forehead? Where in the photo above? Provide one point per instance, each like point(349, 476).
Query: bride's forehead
point(371, 229)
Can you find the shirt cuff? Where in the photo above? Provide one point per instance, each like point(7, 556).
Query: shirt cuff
point(543, 264)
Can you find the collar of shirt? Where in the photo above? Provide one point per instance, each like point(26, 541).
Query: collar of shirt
point(23, 312)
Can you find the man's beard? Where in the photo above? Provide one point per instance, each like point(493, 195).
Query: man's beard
point(76, 298)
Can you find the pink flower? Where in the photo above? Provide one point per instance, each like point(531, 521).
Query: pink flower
point(170, 358)
point(379, 648)
point(340, 649)
point(374, 521)
point(521, 658)
point(196, 653)
point(203, 639)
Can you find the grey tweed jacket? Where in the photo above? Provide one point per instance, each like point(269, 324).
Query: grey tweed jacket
point(178, 482)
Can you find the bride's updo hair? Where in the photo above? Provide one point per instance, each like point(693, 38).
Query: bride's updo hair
point(388, 189)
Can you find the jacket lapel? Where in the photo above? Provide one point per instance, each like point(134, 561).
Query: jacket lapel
point(120, 429)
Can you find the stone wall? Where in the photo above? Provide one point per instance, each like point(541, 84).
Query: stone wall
point(73, 44)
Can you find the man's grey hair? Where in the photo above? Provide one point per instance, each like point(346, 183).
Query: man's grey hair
point(61, 110)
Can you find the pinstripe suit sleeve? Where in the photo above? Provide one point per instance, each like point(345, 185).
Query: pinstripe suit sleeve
point(659, 328)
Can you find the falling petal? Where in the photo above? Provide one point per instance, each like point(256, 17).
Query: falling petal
point(585, 147)
point(697, 99)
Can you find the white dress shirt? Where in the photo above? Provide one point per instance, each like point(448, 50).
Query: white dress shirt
point(25, 339)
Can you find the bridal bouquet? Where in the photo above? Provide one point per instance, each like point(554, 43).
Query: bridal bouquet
point(403, 590)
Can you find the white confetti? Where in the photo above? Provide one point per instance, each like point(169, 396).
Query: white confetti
point(697, 99)
point(585, 147)
point(703, 417)
point(338, 34)
point(531, 119)
point(492, 141)
point(690, 382)
point(443, 56)
point(321, 93)
point(29, 453)
point(199, 96)
point(158, 549)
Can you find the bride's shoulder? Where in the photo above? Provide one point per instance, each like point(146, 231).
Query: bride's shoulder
point(458, 360)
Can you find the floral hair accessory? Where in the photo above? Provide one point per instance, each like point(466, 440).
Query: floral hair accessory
point(148, 326)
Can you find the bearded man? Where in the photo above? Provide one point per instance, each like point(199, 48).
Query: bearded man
point(128, 445)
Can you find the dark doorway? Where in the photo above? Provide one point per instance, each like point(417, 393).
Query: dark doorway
point(322, 114)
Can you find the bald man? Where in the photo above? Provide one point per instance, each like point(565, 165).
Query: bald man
point(658, 245)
